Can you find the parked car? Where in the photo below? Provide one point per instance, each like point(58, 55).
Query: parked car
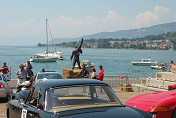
point(163, 104)
point(5, 91)
point(47, 75)
point(71, 98)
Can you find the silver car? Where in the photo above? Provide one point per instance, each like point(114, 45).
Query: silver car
point(47, 76)
point(5, 91)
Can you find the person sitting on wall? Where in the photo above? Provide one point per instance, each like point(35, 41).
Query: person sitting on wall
point(84, 73)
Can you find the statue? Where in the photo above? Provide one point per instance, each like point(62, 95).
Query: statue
point(75, 55)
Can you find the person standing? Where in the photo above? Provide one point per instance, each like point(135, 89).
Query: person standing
point(101, 74)
point(30, 75)
point(94, 76)
point(5, 71)
point(21, 74)
point(28, 64)
point(170, 66)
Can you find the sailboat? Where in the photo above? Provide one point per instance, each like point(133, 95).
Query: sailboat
point(47, 56)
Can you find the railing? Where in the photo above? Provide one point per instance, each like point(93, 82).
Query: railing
point(115, 81)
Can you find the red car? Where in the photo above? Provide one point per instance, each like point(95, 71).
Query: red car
point(163, 104)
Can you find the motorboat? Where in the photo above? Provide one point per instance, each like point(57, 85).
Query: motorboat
point(47, 56)
point(144, 62)
point(159, 67)
point(43, 59)
point(87, 64)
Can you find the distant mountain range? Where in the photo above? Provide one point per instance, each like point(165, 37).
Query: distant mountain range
point(132, 33)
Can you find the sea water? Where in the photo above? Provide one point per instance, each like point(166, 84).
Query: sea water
point(114, 61)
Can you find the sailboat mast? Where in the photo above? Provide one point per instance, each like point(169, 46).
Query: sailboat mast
point(52, 37)
point(47, 35)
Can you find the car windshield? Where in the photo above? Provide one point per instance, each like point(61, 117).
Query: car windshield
point(76, 97)
point(49, 76)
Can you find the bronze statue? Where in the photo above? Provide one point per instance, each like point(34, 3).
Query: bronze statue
point(76, 52)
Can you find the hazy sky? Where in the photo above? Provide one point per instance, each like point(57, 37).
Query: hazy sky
point(22, 22)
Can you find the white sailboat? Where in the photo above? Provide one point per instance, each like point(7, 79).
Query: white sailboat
point(47, 56)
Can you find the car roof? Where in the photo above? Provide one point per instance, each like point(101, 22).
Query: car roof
point(66, 82)
point(49, 72)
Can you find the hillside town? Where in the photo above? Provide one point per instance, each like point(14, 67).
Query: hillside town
point(158, 42)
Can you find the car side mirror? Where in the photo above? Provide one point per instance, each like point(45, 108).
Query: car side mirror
point(40, 106)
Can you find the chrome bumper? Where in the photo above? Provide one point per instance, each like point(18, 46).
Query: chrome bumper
point(3, 93)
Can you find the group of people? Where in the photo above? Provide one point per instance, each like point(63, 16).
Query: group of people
point(85, 74)
point(25, 73)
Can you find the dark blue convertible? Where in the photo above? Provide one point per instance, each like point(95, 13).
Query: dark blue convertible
point(71, 98)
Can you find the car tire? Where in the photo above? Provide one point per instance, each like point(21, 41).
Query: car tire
point(174, 114)
point(8, 113)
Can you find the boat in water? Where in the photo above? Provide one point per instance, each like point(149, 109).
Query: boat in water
point(55, 54)
point(159, 66)
point(87, 64)
point(144, 62)
point(47, 56)
point(43, 59)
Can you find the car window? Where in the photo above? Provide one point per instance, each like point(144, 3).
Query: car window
point(0, 77)
point(79, 97)
point(49, 76)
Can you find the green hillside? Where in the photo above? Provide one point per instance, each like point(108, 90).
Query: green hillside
point(164, 42)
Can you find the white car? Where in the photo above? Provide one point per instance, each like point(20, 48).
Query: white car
point(5, 91)
point(47, 75)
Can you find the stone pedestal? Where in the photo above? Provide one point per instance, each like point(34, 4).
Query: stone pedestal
point(69, 73)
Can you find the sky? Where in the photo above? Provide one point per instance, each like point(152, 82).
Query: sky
point(22, 22)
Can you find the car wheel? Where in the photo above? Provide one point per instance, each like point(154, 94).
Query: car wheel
point(174, 114)
point(8, 113)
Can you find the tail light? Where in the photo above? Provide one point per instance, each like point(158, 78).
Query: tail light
point(161, 108)
point(2, 86)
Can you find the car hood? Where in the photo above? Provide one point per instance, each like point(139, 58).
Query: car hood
point(146, 101)
point(107, 112)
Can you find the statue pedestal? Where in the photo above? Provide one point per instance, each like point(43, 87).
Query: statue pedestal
point(70, 74)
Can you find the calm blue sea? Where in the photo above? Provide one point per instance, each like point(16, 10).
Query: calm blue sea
point(114, 61)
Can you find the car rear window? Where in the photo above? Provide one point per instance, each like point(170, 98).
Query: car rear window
point(59, 99)
point(49, 76)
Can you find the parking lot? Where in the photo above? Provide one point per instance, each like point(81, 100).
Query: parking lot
point(123, 96)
